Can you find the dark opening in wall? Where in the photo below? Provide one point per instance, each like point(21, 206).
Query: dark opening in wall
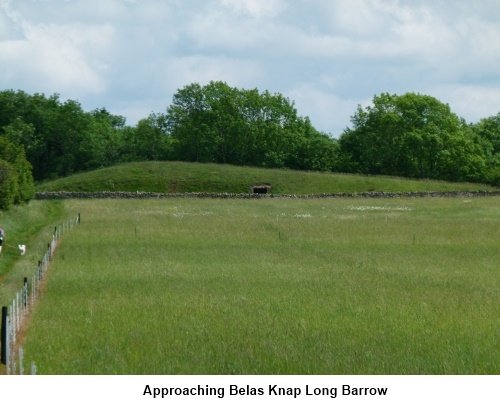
point(262, 189)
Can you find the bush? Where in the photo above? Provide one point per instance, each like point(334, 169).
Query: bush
point(17, 184)
point(9, 186)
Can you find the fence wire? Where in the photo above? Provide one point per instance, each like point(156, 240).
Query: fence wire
point(15, 315)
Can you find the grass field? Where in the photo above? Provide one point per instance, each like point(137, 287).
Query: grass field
point(330, 286)
point(30, 225)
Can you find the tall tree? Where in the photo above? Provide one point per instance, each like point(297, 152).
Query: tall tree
point(218, 123)
point(59, 137)
point(103, 142)
point(149, 140)
point(410, 135)
point(488, 133)
point(9, 187)
point(17, 182)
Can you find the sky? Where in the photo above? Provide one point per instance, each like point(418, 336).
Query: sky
point(327, 56)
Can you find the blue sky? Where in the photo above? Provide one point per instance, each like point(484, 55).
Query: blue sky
point(327, 56)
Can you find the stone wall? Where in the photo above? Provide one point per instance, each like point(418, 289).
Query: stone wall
point(58, 195)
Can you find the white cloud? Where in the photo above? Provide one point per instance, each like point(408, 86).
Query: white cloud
point(359, 18)
point(256, 8)
point(200, 69)
point(131, 56)
point(68, 58)
point(322, 104)
point(212, 30)
point(53, 57)
point(471, 102)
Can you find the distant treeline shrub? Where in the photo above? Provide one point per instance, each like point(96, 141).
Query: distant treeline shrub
point(410, 135)
point(16, 180)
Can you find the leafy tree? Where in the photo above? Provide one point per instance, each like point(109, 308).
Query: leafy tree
point(59, 137)
point(16, 177)
point(313, 150)
point(411, 135)
point(489, 130)
point(186, 122)
point(488, 133)
point(149, 140)
point(221, 124)
point(8, 185)
point(102, 144)
point(28, 117)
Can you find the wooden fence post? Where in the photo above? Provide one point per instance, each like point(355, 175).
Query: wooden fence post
point(25, 293)
point(4, 335)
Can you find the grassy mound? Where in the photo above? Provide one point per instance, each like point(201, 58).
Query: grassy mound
point(181, 177)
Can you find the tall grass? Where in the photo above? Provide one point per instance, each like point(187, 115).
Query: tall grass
point(273, 287)
point(31, 225)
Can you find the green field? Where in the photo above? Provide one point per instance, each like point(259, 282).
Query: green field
point(31, 225)
point(326, 286)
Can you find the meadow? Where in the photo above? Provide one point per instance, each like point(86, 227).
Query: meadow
point(31, 225)
point(273, 286)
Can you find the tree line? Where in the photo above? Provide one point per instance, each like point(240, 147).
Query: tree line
point(410, 135)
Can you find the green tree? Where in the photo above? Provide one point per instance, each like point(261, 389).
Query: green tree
point(149, 140)
point(221, 124)
point(489, 130)
point(186, 123)
point(411, 135)
point(488, 137)
point(34, 113)
point(103, 142)
point(8, 185)
point(59, 137)
point(17, 179)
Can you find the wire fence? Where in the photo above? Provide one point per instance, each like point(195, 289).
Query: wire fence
point(15, 315)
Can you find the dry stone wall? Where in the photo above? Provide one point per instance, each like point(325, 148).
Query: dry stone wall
point(58, 195)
